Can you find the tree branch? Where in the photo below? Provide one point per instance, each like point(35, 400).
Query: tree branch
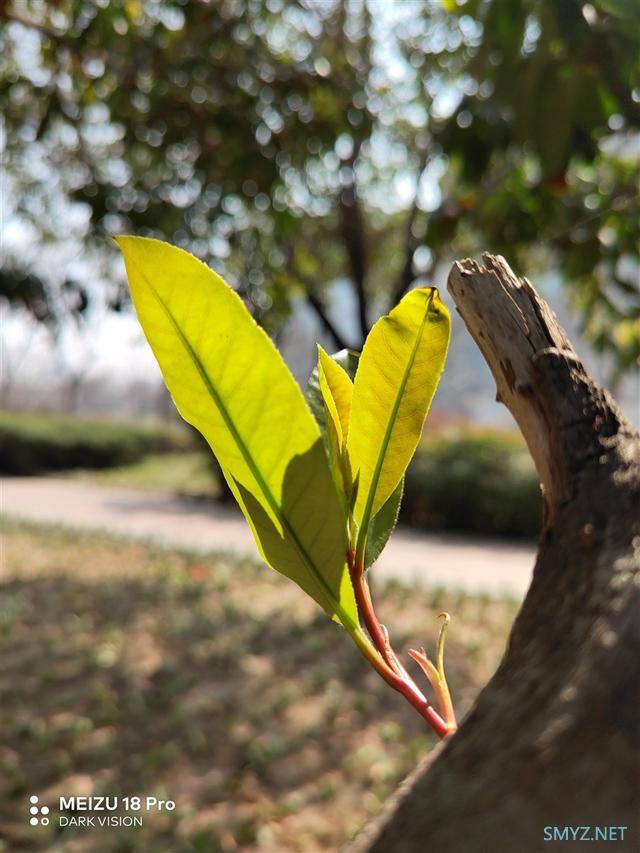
point(316, 303)
point(405, 277)
point(312, 296)
point(519, 336)
point(352, 233)
point(554, 738)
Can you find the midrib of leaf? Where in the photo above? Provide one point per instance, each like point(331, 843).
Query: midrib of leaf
point(273, 503)
point(366, 516)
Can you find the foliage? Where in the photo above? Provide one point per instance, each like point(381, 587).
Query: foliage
point(291, 144)
point(228, 380)
point(32, 442)
point(543, 154)
point(248, 710)
point(310, 510)
point(484, 484)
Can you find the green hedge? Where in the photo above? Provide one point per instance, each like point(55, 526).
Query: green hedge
point(473, 482)
point(32, 442)
point(478, 483)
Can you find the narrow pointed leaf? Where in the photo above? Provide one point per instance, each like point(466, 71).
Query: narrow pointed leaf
point(348, 361)
point(382, 525)
point(336, 384)
point(229, 381)
point(397, 376)
point(332, 417)
point(336, 389)
point(333, 441)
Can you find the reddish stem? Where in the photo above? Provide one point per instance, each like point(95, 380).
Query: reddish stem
point(387, 665)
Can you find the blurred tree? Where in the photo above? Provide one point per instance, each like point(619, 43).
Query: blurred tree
point(291, 143)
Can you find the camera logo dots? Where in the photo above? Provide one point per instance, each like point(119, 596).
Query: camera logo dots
point(36, 810)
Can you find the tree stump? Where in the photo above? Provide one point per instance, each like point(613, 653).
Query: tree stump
point(554, 738)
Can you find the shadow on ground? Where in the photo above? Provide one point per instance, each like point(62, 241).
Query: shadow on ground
point(132, 671)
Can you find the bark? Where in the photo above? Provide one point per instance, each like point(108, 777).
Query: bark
point(315, 302)
point(352, 232)
point(554, 738)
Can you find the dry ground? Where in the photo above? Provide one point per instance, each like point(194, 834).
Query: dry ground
point(128, 669)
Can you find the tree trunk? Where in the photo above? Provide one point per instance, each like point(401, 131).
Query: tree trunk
point(554, 738)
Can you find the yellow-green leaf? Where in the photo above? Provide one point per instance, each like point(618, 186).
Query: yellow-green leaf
point(229, 381)
point(348, 361)
point(337, 391)
point(396, 379)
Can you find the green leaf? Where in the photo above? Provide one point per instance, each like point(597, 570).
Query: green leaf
point(313, 396)
point(336, 389)
point(348, 361)
point(382, 525)
point(397, 376)
point(229, 381)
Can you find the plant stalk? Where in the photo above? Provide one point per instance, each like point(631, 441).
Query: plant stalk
point(383, 658)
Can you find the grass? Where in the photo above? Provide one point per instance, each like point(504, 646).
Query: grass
point(190, 474)
point(131, 670)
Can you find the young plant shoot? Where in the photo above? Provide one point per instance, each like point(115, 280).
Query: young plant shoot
point(319, 479)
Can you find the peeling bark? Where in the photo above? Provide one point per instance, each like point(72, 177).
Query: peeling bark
point(554, 738)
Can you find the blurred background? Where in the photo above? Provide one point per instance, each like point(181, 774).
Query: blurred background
point(324, 156)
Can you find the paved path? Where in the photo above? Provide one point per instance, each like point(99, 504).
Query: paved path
point(412, 557)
